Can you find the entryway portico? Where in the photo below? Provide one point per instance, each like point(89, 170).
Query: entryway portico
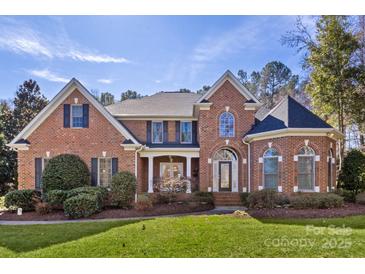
point(173, 162)
point(225, 170)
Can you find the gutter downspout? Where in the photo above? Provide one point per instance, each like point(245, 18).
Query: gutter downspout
point(136, 169)
point(248, 166)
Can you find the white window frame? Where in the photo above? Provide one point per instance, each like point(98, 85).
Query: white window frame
point(152, 139)
point(263, 167)
point(111, 168)
point(180, 164)
point(191, 132)
point(71, 114)
point(234, 125)
point(314, 171)
point(44, 158)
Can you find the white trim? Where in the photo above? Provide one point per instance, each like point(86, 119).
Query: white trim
point(191, 132)
point(295, 132)
point(133, 117)
point(156, 122)
point(169, 152)
point(57, 100)
point(203, 106)
point(18, 146)
point(228, 75)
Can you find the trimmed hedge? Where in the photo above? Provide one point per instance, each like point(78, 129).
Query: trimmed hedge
point(360, 198)
point(56, 198)
point(65, 172)
point(316, 200)
point(203, 197)
point(144, 203)
point(123, 189)
point(82, 205)
point(24, 199)
point(244, 197)
point(101, 194)
point(266, 198)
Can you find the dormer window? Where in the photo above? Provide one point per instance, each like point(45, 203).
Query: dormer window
point(77, 116)
point(226, 124)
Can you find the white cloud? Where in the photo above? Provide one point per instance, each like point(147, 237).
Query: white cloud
point(46, 74)
point(105, 81)
point(157, 81)
point(22, 39)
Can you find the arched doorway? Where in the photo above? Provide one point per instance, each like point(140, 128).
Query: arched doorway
point(225, 171)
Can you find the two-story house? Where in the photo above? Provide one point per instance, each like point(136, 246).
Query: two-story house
point(216, 140)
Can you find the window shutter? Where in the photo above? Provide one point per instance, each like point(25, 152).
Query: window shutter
point(148, 132)
point(215, 176)
point(94, 171)
point(165, 132)
point(85, 114)
point(38, 173)
point(194, 126)
point(177, 130)
point(114, 165)
point(66, 115)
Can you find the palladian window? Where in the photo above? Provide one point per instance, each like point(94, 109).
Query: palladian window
point(226, 125)
point(271, 168)
point(306, 168)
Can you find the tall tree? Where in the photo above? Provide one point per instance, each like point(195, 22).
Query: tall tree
point(184, 90)
point(130, 94)
point(203, 90)
point(106, 98)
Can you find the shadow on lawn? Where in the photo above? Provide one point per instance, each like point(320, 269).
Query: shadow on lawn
point(25, 238)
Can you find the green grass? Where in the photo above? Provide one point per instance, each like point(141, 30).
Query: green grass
point(192, 236)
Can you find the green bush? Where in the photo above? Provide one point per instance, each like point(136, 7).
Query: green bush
point(243, 198)
point(360, 198)
point(266, 198)
point(144, 203)
point(65, 172)
point(2, 203)
point(123, 188)
point(316, 200)
point(82, 205)
point(352, 175)
point(348, 196)
point(101, 193)
point(24, 199)
point(42, 208)
point(56, 198)
point(203, 197)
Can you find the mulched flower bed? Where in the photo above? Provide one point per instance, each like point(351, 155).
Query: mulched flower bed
point(110, 213)
point(349, 209)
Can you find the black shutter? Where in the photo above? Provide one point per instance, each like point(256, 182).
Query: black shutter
point(66, 115)
point(85, 115)
point(148, 132)
point(194, 132)
point(38, 173)
point(94, 171)
point(165, 132)
point(177, 130)
point(114, 165)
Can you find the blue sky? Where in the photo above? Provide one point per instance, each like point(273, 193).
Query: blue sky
point(142, 53)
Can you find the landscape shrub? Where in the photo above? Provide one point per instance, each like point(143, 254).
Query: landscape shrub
point(24, 199)
point(56, 198)
point(348, 196)
point(2, 202)
point(316, 200)
point(123, 188)
point(203, 197)
point(243, 198)
point(144, 203)
point(360, 198)
point(42, 208)
point(65, 172)
point(82, 205)
point(352, 174)
point(266, 198)
point(101, 193)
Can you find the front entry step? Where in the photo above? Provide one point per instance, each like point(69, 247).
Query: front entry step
point(227, 199)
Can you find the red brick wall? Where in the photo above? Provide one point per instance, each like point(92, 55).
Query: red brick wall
point(287, 148)
point(138, 128)
point(85, 142)
point(209, 140)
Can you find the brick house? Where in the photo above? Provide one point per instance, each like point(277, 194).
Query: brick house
point(218, 141)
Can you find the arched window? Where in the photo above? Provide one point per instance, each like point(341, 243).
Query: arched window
point(271, 168)
point(225, 155)
point(226, 125)
point(306, 168)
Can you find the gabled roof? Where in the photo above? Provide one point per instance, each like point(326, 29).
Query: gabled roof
point(228, 75)
point(289, 114)
point(162, 104)
point(58, 99)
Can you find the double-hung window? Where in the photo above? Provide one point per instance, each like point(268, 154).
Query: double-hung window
point(186, 132)
point(105, 172)
point(157, 132)
point(271, 168)
point(77, 116)
point(306, 168)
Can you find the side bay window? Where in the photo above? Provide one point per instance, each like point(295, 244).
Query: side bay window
point(76, 116)
point(102, 170)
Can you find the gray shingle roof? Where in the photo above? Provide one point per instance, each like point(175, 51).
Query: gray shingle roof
point(160, 104)
point(288, 114)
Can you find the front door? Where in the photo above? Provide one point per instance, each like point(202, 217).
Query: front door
point(225, 176)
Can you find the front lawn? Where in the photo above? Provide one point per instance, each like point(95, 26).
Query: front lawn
point(193, 236)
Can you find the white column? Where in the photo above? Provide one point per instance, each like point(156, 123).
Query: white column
point(188, 173)
point(150, 174)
